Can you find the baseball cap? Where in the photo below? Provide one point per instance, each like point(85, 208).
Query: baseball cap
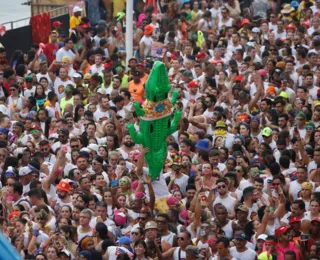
point(294, 219)
point(284, 94)
point(76, 75)
point(64, 186)
point(124, 240)
point(315, 220)
point(93, 147)
point(57, 23)
point(281, 230)
point(267, 132)
point(255, 30)
point(24, 171)
point(241, 236)
point(76, 9)
point(243, 208)
point(263, 237)
point(85, 254)
point(150, 225)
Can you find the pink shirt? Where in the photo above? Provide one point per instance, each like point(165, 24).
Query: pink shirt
point(281, 251)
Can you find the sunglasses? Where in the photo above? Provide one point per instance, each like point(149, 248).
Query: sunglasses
point(180, 238)
point(134, 233)
point(74, 146)
point(140, 218)
point(161, 221)
point(204, 227)
point(97, 163)
point(221, 187)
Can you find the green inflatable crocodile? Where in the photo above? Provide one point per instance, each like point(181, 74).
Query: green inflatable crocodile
point(155, 118)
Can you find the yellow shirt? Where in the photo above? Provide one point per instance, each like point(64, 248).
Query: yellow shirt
point(74, 21)
point(118, 6)
point(64, 103)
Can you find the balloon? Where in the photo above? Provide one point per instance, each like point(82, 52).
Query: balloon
point(155, 119)
point(3, 30)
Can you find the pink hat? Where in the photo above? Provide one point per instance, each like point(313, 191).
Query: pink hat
point(263, 73)
point(139, 195)
point(172, 201)
point(120, 219)
point(134, 185)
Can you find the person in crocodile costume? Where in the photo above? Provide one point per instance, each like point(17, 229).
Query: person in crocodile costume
point(155, 118)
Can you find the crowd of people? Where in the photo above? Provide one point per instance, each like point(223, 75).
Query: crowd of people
point(242, 174)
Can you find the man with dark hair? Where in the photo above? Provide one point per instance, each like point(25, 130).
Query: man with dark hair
point(224, 197)
point(67, 51)
point(250, 201)
point(223, 245)
point(16, 191)
point(45, 149)
point(295, 186)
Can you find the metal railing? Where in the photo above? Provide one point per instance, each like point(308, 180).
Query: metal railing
point(25, 21)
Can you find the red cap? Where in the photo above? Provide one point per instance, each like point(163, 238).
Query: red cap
point(84, 25)
point(140, 64)
point(306, 23)
point(193, 84)
point(63, 185)
point(291, 26)
point(36, 127)
point(173, 56)
point(57, 23)
point(294, 219)
point(315, 220)
point(108, 65)
point(245, 21)
point(239, 78)
point(281, 230)
point(201, 54)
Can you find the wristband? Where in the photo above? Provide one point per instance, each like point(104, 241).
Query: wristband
point(36, 232)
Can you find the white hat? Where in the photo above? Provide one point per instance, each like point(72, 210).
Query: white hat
point(85, 149)
point(101, 91)
point(255, 30)
point(24, 171)
point(76, 75)
point(3, 109)
point(263, 237)
point(93, 147)
point(76, 9)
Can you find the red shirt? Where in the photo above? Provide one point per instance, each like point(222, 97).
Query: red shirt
point(50, 51)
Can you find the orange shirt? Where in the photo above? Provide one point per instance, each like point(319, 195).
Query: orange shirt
point(144, 78)
point(136, 90)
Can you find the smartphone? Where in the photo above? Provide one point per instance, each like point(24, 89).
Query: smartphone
point(192, 173)
point(269, 181)
point(159, 236)
point(114, 183)
point(304, 237)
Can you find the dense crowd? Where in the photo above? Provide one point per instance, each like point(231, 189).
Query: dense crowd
point(242, 174)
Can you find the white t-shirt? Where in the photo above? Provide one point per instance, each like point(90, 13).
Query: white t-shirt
point(228, 202)
point(249, 254)
point(59, 86)
point(62, 53)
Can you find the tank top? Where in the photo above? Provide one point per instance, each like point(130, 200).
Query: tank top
point(147, 42)
point(168, 238)
point(226, 24)
point(228, 231)
point(178, 254)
